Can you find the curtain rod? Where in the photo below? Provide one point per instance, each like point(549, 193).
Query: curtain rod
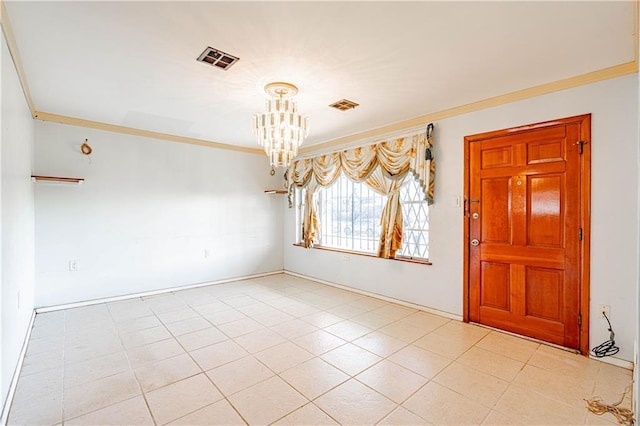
point(408, 131)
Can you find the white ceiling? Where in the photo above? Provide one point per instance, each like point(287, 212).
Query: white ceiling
point(134, 63)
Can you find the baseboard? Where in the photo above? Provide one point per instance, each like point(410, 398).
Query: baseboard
point(379, 296)
point(614, 361)
point(53, 308)
point(4, 417)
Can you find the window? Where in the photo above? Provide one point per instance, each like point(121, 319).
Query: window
point(349, 215)
point(415, 223)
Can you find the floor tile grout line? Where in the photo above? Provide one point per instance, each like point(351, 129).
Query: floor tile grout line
point(351, 376)
point(323, 393)
point(294, 409)
point(565, 377)
point(98, 409)
point(547, 397)
point(95, 358)
point(274, 374)
point(279, 374)
point(225, 398)
point(492, 407)
point(385, 396)
point(144, 393)
point(258, 360)
point(512, 383)
point(382, 358)
point(144, 397)
point(411, 396)
point(299, 408)
point(428, 379)
point(206, 375)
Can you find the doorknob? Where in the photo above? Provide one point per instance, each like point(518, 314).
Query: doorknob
point(475, 242)
point(475, 216)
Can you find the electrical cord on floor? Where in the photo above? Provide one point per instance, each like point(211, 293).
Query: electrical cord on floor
point(623, 415)
point(596, 405)
point(609, 347)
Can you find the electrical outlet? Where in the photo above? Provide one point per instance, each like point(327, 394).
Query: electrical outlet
point(604, 310)
point(74, 265)
point(207, 253)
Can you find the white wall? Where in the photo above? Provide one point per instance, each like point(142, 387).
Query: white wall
point(146, 213)
point(16, 220)
point(614, 249)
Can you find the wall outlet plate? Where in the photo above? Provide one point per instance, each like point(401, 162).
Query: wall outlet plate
point(606, 309)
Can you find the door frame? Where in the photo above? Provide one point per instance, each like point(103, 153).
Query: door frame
point(585, 213)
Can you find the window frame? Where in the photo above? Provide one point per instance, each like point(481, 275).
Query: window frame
point(299, 205)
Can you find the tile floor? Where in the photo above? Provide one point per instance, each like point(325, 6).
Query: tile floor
point(283, 350)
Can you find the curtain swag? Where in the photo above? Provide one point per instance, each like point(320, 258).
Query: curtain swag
point(383, 166)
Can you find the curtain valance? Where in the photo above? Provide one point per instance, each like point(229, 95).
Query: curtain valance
point(395, 158)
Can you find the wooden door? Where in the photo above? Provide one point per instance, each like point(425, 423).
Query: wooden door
point(526, 230)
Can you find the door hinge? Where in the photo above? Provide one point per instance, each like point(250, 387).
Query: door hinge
point(580, 320)
point(580, 233)
point(581, 144)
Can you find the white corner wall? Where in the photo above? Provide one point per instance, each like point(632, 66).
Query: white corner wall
point(16, 220)
point(614, 211)
point(146, 213)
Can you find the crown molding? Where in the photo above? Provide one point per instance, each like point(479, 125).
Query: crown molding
point(15, 55)
point(543, 89)
point(55, 118)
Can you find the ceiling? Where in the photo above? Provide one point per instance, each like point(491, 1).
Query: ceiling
point(134, 63)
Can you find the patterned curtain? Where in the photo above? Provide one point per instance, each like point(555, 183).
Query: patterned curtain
point(382, 166)
point(391, 220)
point(310, 223)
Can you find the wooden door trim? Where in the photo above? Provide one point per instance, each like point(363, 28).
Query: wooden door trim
point(585, 213)
point(585, 224)
point(465, 229)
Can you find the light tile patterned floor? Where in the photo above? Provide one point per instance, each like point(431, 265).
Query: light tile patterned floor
point(284, 350)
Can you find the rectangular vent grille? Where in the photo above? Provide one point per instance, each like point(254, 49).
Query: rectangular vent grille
point(217, 58)
point(344, 105)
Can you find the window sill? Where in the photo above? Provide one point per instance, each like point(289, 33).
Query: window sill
point(359, 253)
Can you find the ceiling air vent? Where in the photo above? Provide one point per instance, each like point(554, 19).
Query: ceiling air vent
point(217, 58)
point(344, 105)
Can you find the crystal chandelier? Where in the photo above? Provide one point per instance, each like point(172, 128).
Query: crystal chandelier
point(281, 128)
